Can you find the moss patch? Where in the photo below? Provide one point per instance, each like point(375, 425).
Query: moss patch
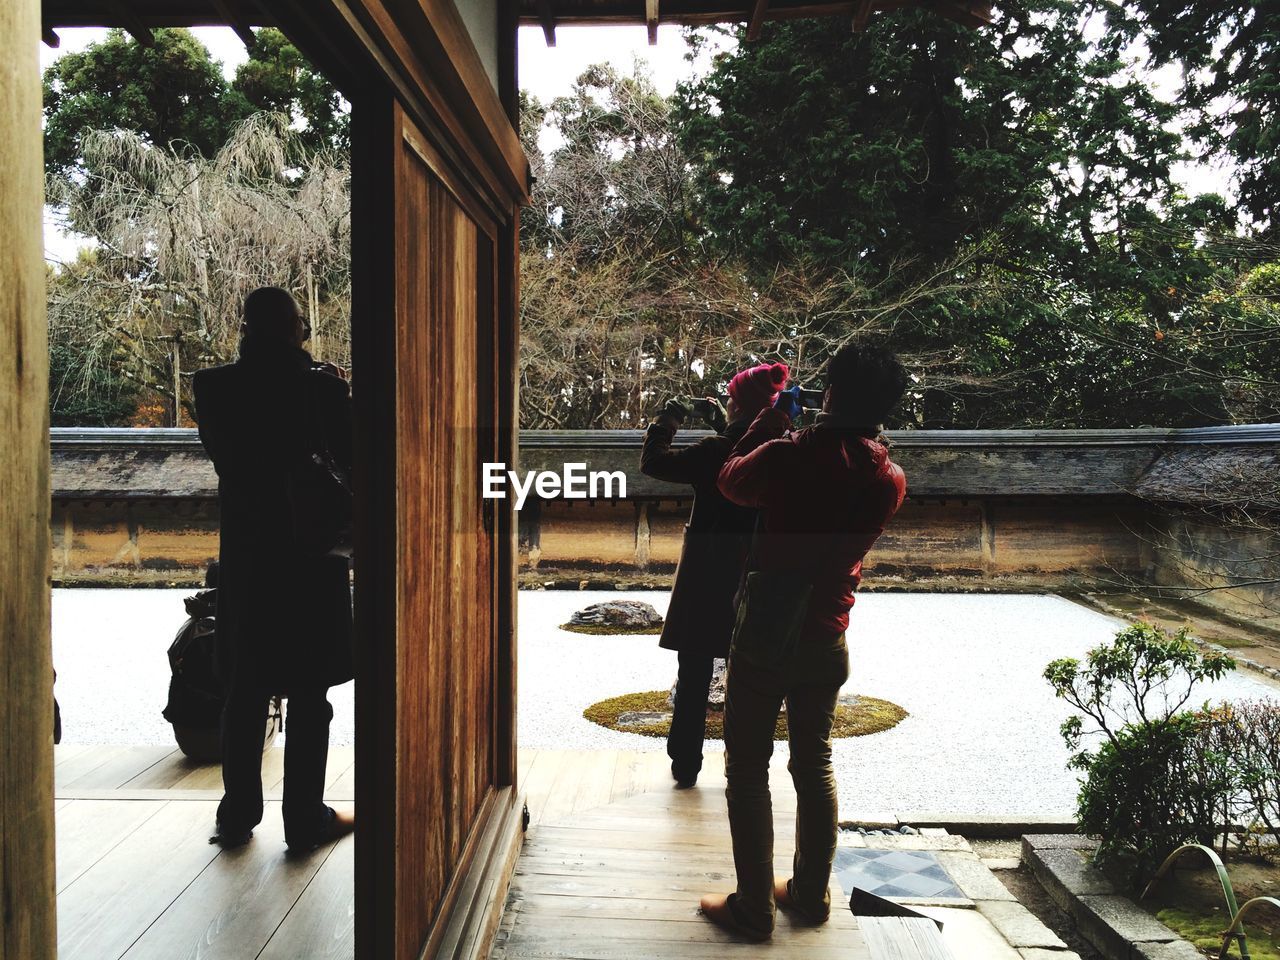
point(610, 630)
point(868, 715)
point(1204, 928)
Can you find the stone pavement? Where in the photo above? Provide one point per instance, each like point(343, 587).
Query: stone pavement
point(941, 876)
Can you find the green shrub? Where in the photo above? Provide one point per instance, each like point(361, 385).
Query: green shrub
point(1147, 791)
point(1256, 749)
point(1159, 778)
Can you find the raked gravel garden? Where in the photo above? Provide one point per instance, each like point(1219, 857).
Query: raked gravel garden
point(981, 735)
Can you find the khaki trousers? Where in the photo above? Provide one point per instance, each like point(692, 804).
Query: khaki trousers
point(809, 682)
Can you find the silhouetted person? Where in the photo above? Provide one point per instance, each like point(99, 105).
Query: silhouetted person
point(283, 614)
point(825, 494)
point(699, 619)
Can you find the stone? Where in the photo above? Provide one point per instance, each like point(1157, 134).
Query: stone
point(1066, 875)
point(1039, 953)
point(891, 840)
point(973, 878)
point(624, 614)
point(970, 936)
point(1019, 926)
point(1114, 924)
point(1001, 863)
point(1177, 950)
point(715, 695)
point(641, 718)
point(1058, 841)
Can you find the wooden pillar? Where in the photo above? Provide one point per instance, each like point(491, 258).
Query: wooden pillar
point(26, 674)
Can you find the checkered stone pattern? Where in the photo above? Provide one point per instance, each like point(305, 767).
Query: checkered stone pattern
point(895, 874)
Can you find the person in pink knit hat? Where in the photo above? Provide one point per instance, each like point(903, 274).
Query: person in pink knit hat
point(700, 615)
point(757, 387)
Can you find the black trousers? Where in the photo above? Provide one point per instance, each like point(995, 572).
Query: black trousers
point(689, 718)
point(306, 752)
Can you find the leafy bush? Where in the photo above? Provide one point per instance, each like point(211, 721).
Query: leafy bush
point(1158, 779)
point(1144, 797)
point(1247, 734)
point(1258, 724)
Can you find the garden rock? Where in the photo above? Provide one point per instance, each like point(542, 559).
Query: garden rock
point(618, 614)
point(715, 696)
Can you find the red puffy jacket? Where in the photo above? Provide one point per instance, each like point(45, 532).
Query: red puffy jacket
point(825, 494)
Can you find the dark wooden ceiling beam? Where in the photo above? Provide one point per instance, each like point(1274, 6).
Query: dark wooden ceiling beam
point(651, 20)
point(547, 17)
point(756, 23)
point(50, 38)
point(231, 12)
point(862, 14)
point(972, 13)
point(122, 14)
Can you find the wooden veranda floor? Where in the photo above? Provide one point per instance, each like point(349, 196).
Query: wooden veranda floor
point(138, 878)
point(615, 878)
point(614, 863)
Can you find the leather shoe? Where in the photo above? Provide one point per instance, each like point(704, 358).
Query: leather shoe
point(337, 827)
point(718, 908)
point(783, 898)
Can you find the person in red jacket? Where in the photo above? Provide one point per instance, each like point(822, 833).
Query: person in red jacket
point(825, 494)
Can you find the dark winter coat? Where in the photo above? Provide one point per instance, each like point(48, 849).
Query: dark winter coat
point(283, 618)
point(716, 539)
point(825, 494)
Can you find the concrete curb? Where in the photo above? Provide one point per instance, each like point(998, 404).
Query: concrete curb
point(978, 826)
point(1116, 927)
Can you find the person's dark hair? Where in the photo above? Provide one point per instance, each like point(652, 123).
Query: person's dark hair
point(271, 313)
point(866, 379)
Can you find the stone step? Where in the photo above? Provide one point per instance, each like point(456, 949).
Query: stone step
point(903, 938)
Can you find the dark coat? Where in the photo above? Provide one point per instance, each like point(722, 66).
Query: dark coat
point(716, 540)
point(283, 618)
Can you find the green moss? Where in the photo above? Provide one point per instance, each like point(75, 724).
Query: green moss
point(869, 715)
point(1204, 930)
point(610, 630)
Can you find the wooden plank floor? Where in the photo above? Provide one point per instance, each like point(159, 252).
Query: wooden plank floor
point(616, 860)
point(138, 879)
point(614, 863)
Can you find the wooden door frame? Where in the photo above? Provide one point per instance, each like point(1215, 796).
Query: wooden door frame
point(381, 53)
point(28, 928)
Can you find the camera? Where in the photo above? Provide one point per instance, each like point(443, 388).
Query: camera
point(811, 399)
point(704, 409)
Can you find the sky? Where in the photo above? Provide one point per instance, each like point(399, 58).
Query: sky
point(547, 72)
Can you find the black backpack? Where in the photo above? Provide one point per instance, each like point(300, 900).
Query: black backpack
point(196, 695)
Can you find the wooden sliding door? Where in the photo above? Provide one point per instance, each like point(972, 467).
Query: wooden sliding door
point(437, 792)
point(445, 336)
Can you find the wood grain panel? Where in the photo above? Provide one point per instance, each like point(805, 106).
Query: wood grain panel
point(446, 663)
point(26, 673)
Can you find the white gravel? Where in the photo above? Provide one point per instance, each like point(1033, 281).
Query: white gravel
point(109, 648)
point(981, 738)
